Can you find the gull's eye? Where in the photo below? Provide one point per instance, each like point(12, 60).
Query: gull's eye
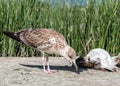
point(70, 56)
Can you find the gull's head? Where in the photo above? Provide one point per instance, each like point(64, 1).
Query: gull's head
point(71, 56)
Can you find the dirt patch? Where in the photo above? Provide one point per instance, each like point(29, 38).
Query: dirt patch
point(20, 71)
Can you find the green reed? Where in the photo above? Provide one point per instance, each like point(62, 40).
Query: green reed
point(95, 25)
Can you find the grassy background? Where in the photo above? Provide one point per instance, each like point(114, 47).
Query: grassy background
point(95, 25)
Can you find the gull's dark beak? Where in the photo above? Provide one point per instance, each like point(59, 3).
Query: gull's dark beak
point(75, 65)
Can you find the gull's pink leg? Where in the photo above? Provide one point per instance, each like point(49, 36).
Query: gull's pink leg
point(48, 66)
point(44, 64)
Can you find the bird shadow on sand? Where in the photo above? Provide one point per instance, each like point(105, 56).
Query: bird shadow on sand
point(59, 68)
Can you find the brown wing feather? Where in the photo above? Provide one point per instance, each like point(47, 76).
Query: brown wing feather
point(42, 38)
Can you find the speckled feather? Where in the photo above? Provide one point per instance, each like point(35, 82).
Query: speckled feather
point(43, 39)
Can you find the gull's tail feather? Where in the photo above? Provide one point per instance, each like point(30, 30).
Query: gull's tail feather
point(12, 35)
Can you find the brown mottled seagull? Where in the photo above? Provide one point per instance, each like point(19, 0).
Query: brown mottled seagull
point(46, 41)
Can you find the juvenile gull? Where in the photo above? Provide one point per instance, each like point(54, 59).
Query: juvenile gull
point(46, 41)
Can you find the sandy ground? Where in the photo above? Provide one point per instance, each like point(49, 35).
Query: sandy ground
point(20, 71)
